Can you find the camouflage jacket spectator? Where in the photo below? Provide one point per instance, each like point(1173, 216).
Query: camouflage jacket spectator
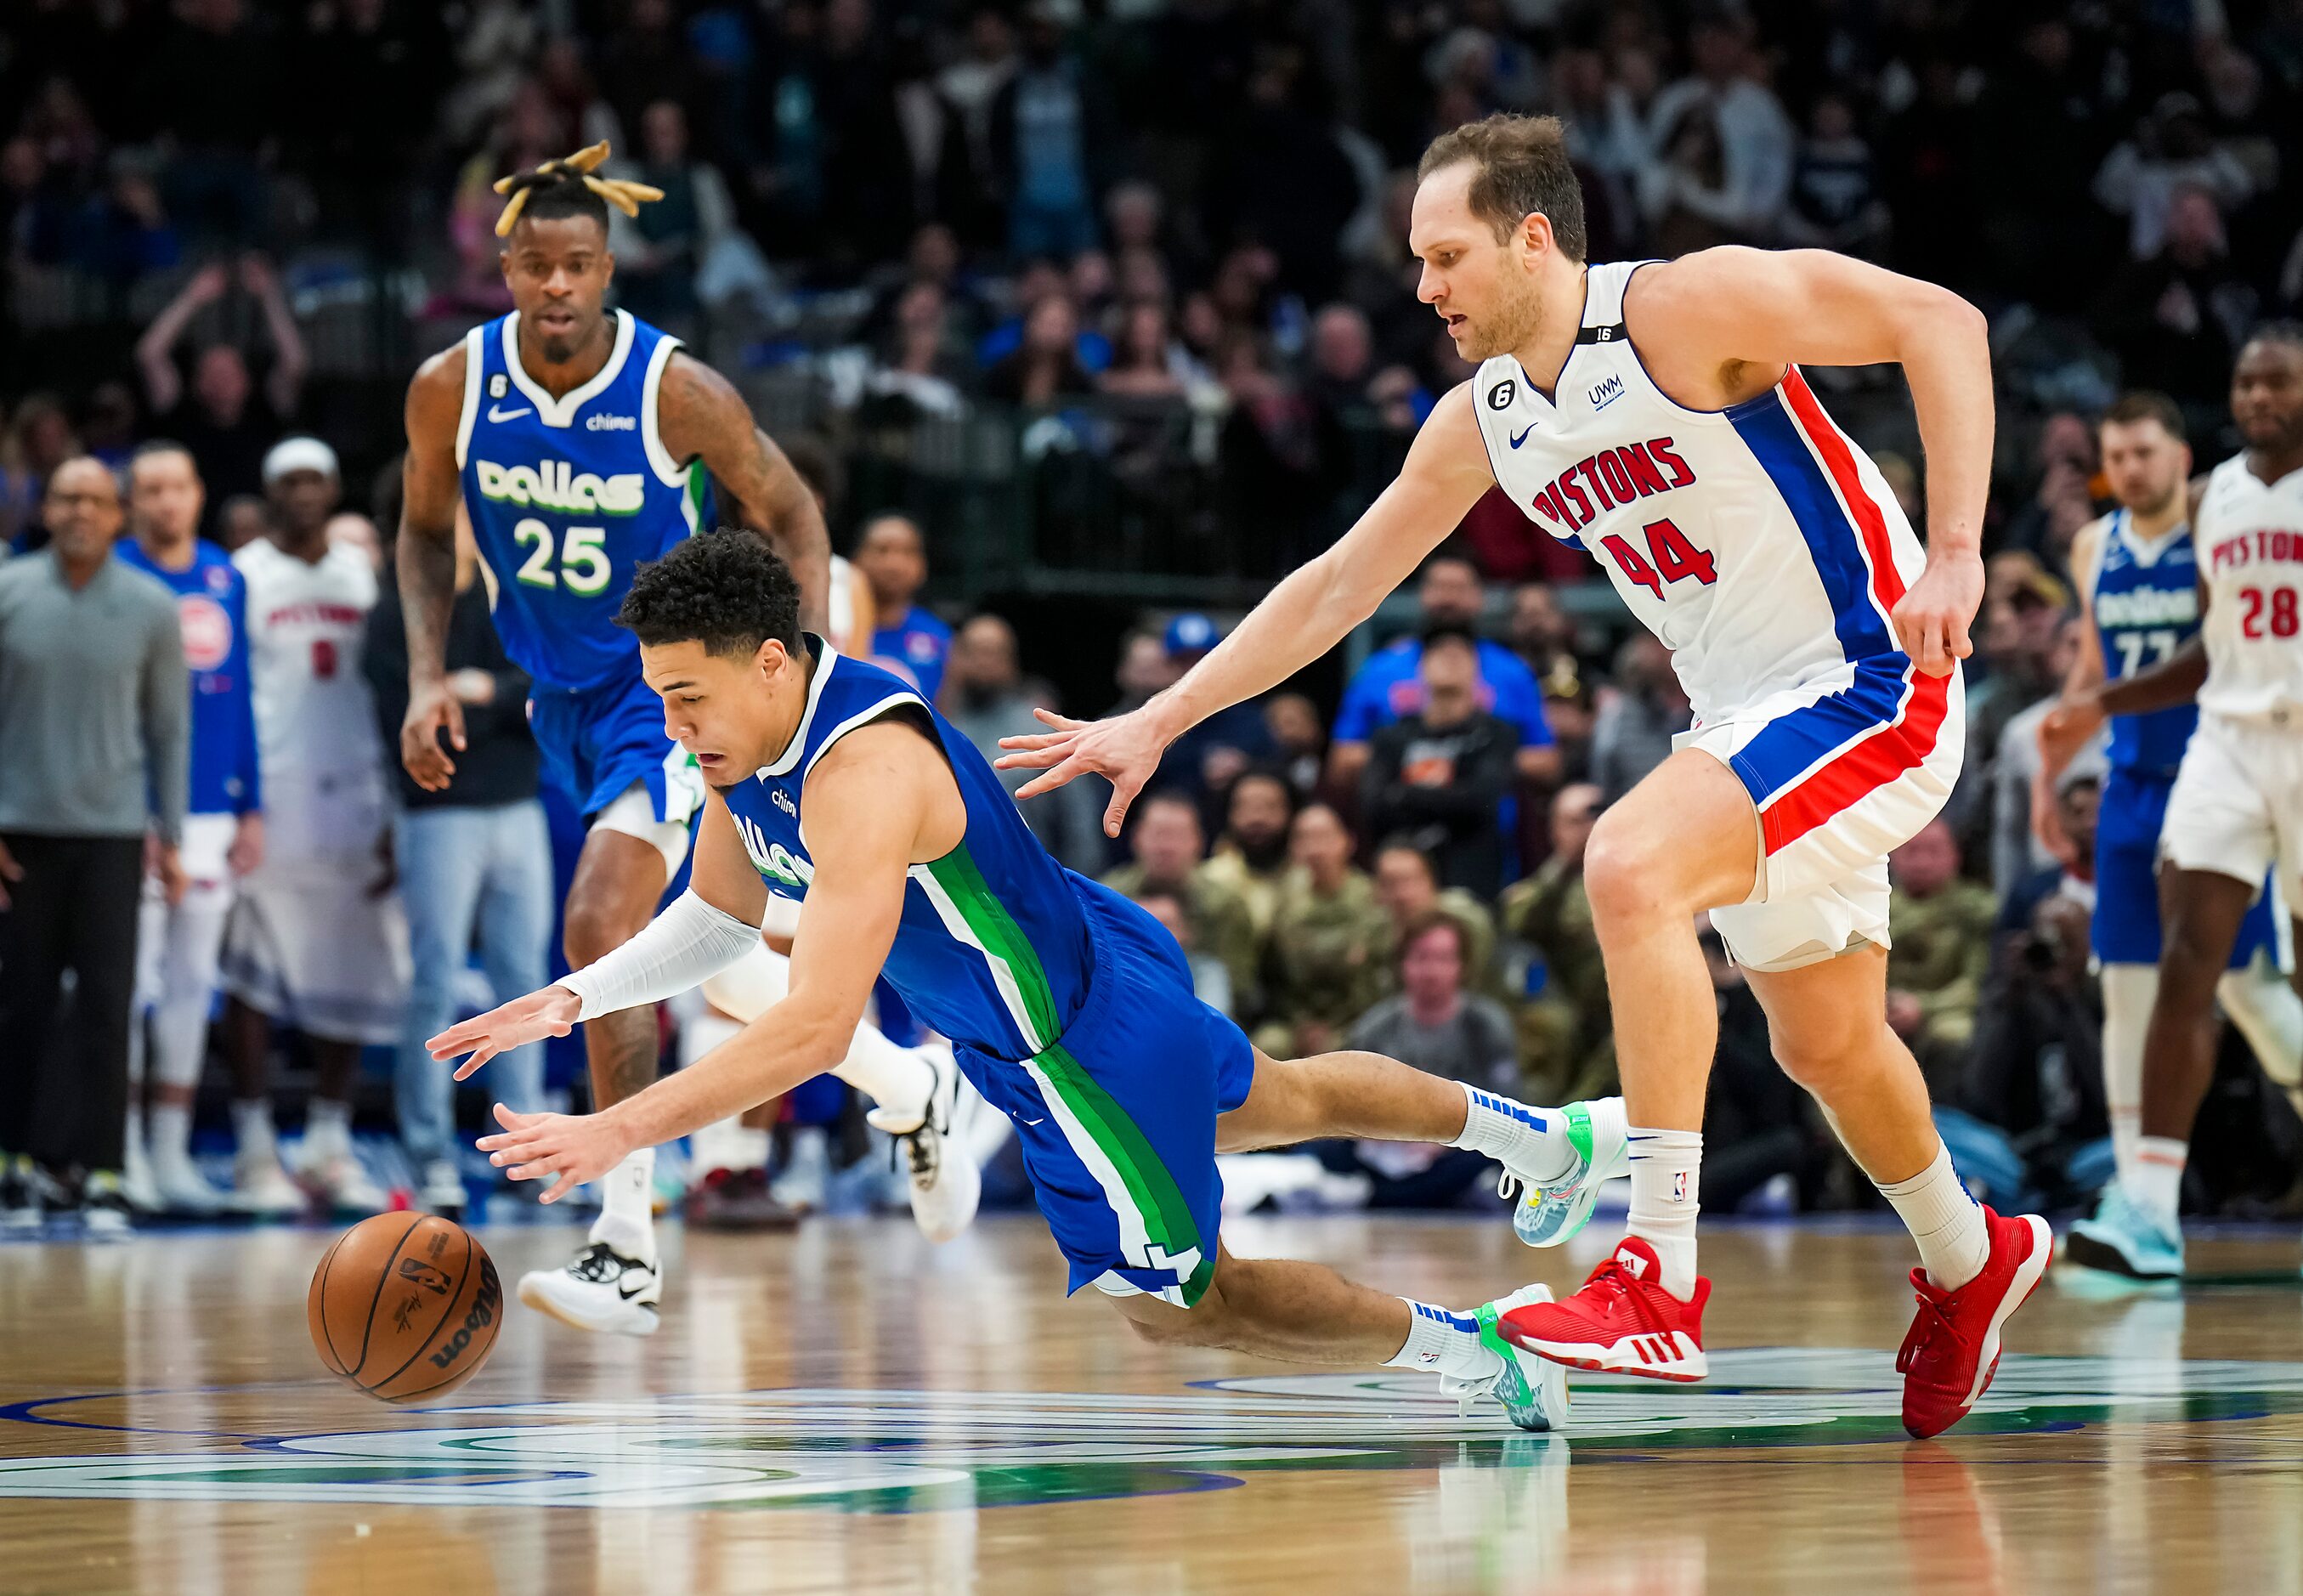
point(1220, 925)
point(1323, 967)
point(1258, 891)
point(1941, 957)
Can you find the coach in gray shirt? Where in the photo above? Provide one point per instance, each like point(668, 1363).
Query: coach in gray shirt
point(95, 702)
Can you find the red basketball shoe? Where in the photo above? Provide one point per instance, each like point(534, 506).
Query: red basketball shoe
point(1952, 1350)
point(1622, 1320)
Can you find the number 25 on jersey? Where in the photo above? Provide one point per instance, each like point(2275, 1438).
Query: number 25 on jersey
point(1670, 558)
point(584, 566)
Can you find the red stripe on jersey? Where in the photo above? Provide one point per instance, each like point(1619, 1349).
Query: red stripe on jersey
point(1901, 745)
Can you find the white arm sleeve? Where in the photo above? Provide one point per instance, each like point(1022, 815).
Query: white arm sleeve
point(684, 946)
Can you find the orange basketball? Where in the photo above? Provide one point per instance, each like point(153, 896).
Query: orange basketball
point(405, 1306)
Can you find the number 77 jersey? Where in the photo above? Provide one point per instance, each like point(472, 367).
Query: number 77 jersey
point(569, 496)
point(1759, 543)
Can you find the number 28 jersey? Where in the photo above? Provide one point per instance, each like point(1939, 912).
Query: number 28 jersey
point(2248, 537)
point(1759, 543)
point(569, 496)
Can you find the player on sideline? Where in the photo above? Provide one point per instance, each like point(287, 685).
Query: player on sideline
point(2236, 809)
point(2139, 576)
point(1655, 414)
point(833, 780)
point(583, 442)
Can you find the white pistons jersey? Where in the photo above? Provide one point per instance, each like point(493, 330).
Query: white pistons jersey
point(2248, 536)
point(322, 753)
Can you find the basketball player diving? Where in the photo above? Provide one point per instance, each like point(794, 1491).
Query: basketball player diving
point(582, 442)
point(832, 781)
point(2235, 809)
point(1655, 414)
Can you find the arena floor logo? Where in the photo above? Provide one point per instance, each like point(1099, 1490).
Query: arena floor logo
point(895, 1451)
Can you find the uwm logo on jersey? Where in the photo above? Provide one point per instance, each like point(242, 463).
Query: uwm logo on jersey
point(555, 484)
point(773, 859)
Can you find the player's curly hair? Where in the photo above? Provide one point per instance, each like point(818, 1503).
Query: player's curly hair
point(725, 589)
point(565, 187)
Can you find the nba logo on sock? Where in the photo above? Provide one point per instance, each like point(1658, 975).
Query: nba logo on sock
point(1679, 1187)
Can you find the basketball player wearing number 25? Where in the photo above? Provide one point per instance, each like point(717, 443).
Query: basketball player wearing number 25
point(581, 443)
point(1655, 414)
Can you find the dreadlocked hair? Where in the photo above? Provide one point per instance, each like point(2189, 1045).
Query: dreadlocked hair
point(568, 183)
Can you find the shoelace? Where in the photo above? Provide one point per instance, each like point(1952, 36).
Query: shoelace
point(1933, 1317)
point(920, 1144)
point(599, 1264)
point(1611, 1278)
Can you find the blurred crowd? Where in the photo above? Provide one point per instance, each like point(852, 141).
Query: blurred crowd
point(1164, 241)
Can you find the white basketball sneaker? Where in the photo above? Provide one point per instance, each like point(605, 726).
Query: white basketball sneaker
point(945, 1185)
point(177, 1188)
point(599, 1289)
point(345, 1189)
point(1531, 1390)
point(261, 1189)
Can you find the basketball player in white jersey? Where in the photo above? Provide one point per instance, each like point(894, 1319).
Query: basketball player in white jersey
point(316, 940)
point(1655, 414)
point(2237, 806)
point(2137, 573)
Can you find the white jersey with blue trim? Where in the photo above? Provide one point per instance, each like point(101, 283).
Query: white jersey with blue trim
point(569, 496)
point(1759, 543)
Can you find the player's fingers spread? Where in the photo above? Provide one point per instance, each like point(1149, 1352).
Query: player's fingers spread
point(1049, 782)
point(1060, 722)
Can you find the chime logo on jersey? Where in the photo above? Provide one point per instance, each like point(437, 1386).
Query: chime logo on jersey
point(555, 484)
point(911, 1451)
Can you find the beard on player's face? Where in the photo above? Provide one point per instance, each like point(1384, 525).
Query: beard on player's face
point(1509, 319)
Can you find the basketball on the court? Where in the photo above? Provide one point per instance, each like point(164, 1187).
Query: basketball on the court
point(406, 1306)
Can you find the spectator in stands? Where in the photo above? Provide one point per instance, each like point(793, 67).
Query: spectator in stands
point(2176, 318)
point(1388, 688)
point(2034, 1070)
point(224, 419)
point(94, 707)
point(2014, 765)
point(663, 254)
point(39, 438)
point(241, 521)
point(2169, 152)
point(1435, 1025)
point(2078, 793)
point(1567, 1039)
point(1836, 202)
point(1637, 719)
point(1942, 950)
point(1250, 854)
point(1045, 129)
point(1440, 775)
point(1045, 369)
point(892, 557)
point(984, 698)
point(1302, 740)
point(1543, 636)
point(1755, 140)
point(475, 864)
point(1210, 756)
point(1407, 886)
point(1169, 859)
point(1145, 363)
point(1323, 967)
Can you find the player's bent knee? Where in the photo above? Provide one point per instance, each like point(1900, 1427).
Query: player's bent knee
point(1627, 877)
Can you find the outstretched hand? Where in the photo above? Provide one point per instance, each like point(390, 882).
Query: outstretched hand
point(566, 1149)
point(1124, 749)
point(551, 1012)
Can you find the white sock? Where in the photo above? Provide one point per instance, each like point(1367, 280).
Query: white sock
point(327, 1129)
point(251, 1125)
point(1531, 1143)
point(896, 1078)
point(627, 1220)
point(1666, 1180)
point(1945, 1220)
point(1444, 1343)
point(169, 1132)
point(2129, 990)
point(2157, 1183)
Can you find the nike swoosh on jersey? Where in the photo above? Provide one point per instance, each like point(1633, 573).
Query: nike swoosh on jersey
point(496, 415)
point(1520, 436)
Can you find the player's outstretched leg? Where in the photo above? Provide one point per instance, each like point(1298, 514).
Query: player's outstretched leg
point(1557, 1158)
point(1308, 1313)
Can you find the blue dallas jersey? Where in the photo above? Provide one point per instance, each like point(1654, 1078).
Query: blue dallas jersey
point(2146, 606)
point(568, 496)
point(993, 949)
point(212, 607)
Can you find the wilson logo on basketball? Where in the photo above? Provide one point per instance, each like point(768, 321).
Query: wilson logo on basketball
point(484, 1304)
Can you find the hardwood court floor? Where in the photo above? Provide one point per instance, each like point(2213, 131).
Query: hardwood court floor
point(848, 1411)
